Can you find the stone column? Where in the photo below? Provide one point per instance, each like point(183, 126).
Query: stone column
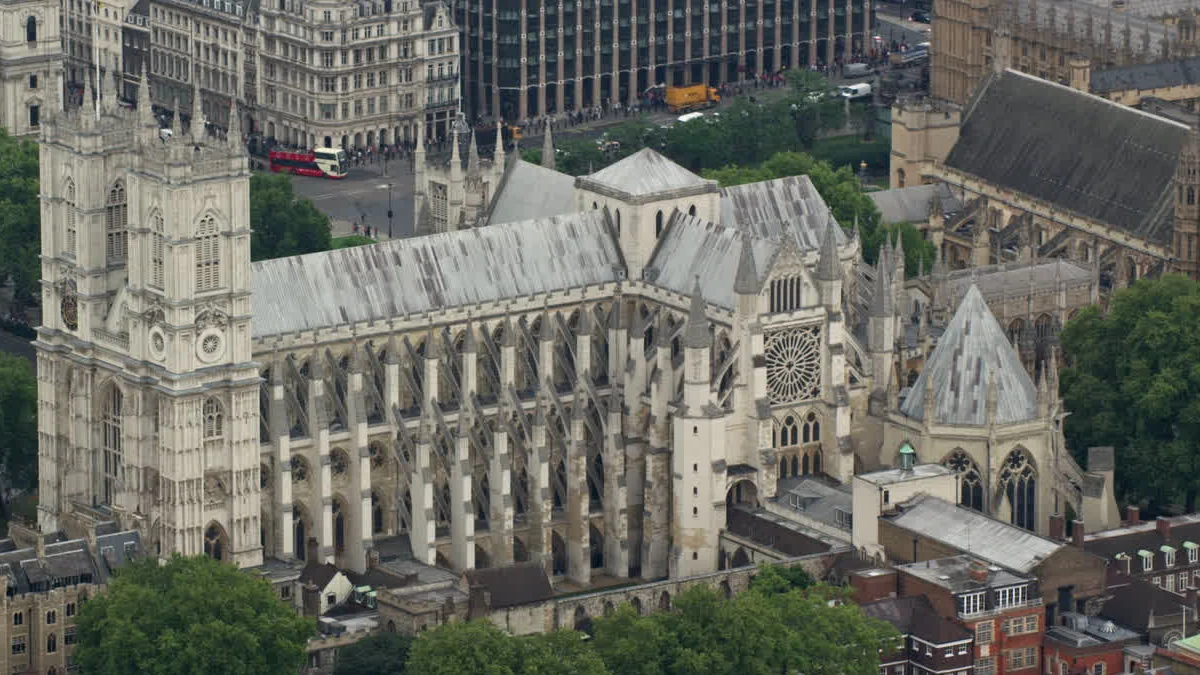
point(282, 475)
point(321, 506)
point(657, 497)
point(358, 497)
point(616, 516)
point(462, 515)
point(423, 530)
point(539, 545)
point(579, 561)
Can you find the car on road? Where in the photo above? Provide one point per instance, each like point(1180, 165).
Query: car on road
point(854, 92)
point(921, 17)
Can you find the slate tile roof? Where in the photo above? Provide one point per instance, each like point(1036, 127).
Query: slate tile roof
point(646, 172)
point(513, 585)
point(530, 192)
point(773, 209)
point(971, 355)
point(914, 616)
point(1143, 76)
point(1079, 152)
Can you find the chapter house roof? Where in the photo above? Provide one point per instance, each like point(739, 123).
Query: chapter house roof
point(1079, 152)
point(530, 191)
point(692, 247)
point(646, 172)
point(971, 356)
point(452, 269)
point(772, 209)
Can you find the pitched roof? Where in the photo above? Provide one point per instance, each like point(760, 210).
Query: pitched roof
point(1079, 152)
point(772, 209)
point(692, 247)
point(529, 191)
point(512, 585)
point(1145, 76)
point(1002, 280)
point(646, 172)
point(911, 204)
point(1145, 537)
point(915, 616)
point(1132, 602)
point(452, 269)
point(972, 355)
point(970, 531)
point(318, 574)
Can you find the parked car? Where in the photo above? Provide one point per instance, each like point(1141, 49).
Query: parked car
point(856, 91)
point(921, 17)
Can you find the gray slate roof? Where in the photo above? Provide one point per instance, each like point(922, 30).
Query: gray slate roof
point(911, 204)
point(771, 209)
point(1008, 278)
point(693, 247)
point(530, 191)
point(972, 532)
point(972, 354)
point(646, 172)
point(66, 562)
point(1145, 76)
point(1079, 152)
point(453, 269)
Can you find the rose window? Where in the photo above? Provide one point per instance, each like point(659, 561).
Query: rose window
point(794, 365)
point(211, 344)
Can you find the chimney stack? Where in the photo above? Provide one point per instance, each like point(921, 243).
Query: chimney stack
point(1164, 527)
point(978, 571)
point(1133, 514)
point(1058, 527)
point(1077, 532)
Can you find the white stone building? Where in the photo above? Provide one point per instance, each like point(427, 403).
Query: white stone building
point(30, 58)
point(595, 377)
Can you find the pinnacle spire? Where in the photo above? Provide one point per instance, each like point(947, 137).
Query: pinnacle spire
point(176, 119)
point(829, 266)
point(424, 219)
point(145, 107)
point(89, 94)
point(498, 151)
point(697, 336)
point(548, 150)
point(472, 156)
point(234, 135)
point(881, 299)
point(746, 281)
point(197, 126)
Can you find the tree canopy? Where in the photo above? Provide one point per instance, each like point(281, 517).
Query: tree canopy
point(783, 624)
point(20, 217)
point(378, 654)
point(191, 616)
point(18, 428)
point(283, 223)
point(1132, 380)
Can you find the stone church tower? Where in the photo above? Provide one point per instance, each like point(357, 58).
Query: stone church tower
point(148, 397)
point(1187, 212)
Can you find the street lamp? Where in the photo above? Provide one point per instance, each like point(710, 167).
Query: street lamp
point(389, 210)
point(862, 173)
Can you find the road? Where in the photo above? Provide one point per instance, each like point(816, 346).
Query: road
point(362, 197)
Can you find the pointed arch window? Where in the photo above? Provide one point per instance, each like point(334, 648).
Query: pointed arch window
point(214, 418)
point(812, 428)
point(158, 250)
point(208, 255)
point(72, 226)
point(969, 481)
point(112, 444)
point(1019, 481)
point(787, 433)
point(116, 223)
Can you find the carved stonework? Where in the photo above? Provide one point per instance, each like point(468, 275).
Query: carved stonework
point(214, 490)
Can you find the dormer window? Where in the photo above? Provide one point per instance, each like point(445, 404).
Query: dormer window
point(1147, 560)
point(1168, 555)
point(1193, 552)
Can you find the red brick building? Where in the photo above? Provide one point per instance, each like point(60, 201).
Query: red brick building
point(1002, 609)
point(1086, 645)
point(930, 643)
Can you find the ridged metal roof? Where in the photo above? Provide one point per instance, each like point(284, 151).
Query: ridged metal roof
point(771, 209)
point(692, 247)
point(453, 269)
point(530, 191)
point(972, 354)
point(646, 172)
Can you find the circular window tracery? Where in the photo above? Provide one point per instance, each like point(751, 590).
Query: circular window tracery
point(794, 365)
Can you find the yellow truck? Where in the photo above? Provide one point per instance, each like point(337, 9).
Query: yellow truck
point(693, 97)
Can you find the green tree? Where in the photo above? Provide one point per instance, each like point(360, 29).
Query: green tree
point(191, 616)
point(578, 156)
point(20, 220)
point(18, 429)
point(283, 223)
point(470, 648)
point(632, 644)
point(1132, 381)
point(772, 579)
point(563, 651)
point(378, 654)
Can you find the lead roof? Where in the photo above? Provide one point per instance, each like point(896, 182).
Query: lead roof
point(972, 355)
point(1079, 152)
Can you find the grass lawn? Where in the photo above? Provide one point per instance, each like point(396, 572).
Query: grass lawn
point(351, 240)
point(842, 150)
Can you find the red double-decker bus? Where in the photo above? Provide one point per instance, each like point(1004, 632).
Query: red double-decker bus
point(320, 163)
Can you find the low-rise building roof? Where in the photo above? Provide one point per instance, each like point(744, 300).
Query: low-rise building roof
point(1145, 76)
point(968, 530)
point(914, 204)
point(915, 616)
point(512, 585)
point(955, 574)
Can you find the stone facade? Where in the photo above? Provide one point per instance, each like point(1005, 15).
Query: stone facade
point(30, 65)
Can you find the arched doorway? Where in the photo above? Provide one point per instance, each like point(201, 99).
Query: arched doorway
point(558, 554)
point(583, 622)
point(216, 542)
point(740, 558)
point(636, 604)
point(664, 601)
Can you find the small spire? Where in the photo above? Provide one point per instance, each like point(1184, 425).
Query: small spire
point(197, 126)
point(920, 266)
point(89, 94)
point(899, 252)
point(424, 219)
point(145, 107)
point(829, 264)
point(472, 156)
point(455, 156)
point(392, 355)
point(176, 119)
point(548, 150)
point(234, 135)
point(697, 335)
point(746, 281)
point(470, 346)
point(881, 299)
point(498, 151)
point(547, 332)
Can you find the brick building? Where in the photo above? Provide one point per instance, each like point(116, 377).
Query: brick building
point(1086, 645)
point(1001, 608)
point(1165, 552)
point(929, 642)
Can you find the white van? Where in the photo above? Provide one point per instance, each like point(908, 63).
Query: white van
point(856, 91)
point(691, 116)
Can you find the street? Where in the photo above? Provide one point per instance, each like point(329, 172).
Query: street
point(362, 197)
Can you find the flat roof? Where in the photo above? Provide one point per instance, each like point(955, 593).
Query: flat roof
point(918, 472)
